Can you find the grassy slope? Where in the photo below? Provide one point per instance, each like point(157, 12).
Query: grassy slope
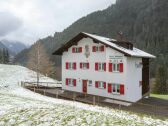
point(160, 96)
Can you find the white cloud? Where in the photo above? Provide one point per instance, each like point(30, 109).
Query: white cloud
point(44, 17)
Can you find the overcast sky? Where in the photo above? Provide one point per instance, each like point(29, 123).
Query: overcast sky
point(29, 20)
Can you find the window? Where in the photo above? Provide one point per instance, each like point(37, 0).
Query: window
point(100, 66)
point(98, 48)
point(70, 82)
point(76, 49)
point(84, 65)
point(90, 82)
point(116, 67)
point(100, 84)
point(116, 88)
point(71, 65)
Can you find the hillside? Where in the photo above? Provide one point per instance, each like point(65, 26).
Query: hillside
point(144, 22)
point(21, 107)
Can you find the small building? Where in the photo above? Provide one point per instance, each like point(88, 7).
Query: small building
point(104, 67)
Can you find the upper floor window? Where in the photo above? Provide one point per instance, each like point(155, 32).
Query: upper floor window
point(115, 67)
point(70, 82)
point(116, 88)
point(71, 65)
point(76, 49)
point(98, 48)
point(100, 66)
point(84, 65)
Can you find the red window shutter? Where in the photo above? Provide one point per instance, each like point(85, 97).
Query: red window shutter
point(80, 49)
point(74, 66)
point(73, 50)
point(66, 81)
point(94, 49)
point(67, 64)
point(110, 67)
point(74, 82)
point(122, 89)
point(104, 66)
point(109, 88)
point(121, 67)
point(104, 85)
point(96, 84)
point(81, 65)
point(102, 48)
point(96, 66)
point(87, 65)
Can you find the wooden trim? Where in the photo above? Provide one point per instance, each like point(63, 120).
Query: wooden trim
point(77, 38)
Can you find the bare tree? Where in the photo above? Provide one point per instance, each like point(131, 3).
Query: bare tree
point(39, 61)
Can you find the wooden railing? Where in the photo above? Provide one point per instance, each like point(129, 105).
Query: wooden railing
point(41, 84)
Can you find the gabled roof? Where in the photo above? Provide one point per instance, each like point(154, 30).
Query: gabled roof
point(106, 41)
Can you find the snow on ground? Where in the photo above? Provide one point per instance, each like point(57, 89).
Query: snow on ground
point(12, 75)
point(22, 107)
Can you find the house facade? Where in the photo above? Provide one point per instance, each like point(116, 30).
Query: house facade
point(101, 66)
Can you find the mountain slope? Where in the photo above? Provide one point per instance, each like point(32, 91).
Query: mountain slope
point(142, 21)
point(14, 46)
point(2, 45)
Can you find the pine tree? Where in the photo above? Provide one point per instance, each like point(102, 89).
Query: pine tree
point(161, 80)
point(1, 56)
point(39, 61)
point(5, 56)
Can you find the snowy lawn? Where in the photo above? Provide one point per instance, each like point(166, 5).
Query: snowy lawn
point(21, 107)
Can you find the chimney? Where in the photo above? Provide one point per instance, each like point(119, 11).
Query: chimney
point(120, 36)
point(121, 41)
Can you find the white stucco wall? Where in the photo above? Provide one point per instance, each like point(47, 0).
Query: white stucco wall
point(132, 90)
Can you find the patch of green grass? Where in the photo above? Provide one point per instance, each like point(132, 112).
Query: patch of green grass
point(165, 97)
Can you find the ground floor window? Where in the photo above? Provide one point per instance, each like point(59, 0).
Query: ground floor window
point(100, 84)
point(115, 88)
point(70, 82)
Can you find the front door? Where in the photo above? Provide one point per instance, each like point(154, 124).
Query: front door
point(84, 86)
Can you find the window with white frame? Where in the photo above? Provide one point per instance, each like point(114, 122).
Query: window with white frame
point(84, 65)
point(70, 65)
point(70, 82)
point(100, 84)
point(116, 88)
point(116, 67)
point(101, 66)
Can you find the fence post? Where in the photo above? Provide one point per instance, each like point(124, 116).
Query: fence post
point(57, 94)
point(44, 91)
point(34, 89)
point(119, 106)
point(94, 100)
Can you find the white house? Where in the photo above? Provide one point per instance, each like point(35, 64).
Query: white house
point(104, 67)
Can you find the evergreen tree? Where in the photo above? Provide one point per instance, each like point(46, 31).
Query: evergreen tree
point(1, 56)
point(161, 85)
point(5, 56)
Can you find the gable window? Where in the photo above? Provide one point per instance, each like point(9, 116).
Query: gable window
point(100, 66)
point(76, 49)
point(84, 65)
point(71, 65)
point(70, 82)
point(98, 48)
point(100, 84)
point(116, 88)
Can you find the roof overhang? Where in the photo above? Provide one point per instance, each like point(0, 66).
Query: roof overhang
point(77, 38)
